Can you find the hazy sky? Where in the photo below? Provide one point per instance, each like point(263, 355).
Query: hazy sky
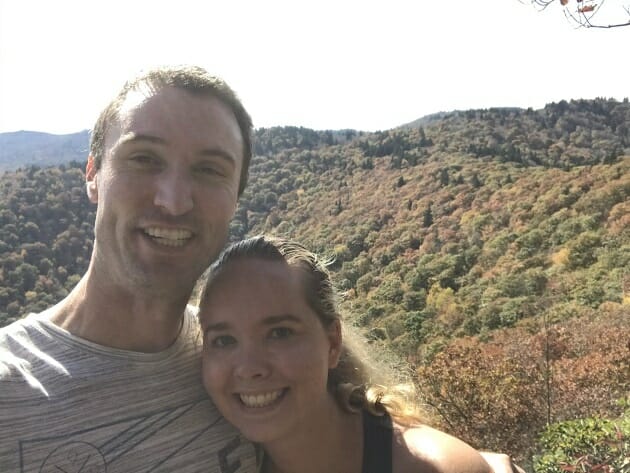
point(321, 64)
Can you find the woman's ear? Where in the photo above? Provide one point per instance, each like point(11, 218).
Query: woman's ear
point(90, 180)
point(336, 342)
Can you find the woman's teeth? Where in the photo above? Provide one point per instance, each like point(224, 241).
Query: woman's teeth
point(260, 400)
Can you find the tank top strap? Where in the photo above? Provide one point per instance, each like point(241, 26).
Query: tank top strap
point(377, 443)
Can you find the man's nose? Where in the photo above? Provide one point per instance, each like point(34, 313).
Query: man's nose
point(173, 193)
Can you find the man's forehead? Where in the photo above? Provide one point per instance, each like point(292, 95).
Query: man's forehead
point(157, 102)
point(148, 110)
point(135, 98)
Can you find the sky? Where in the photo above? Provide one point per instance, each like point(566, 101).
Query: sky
point(339, 64)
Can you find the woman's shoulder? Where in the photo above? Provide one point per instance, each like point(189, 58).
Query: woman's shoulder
point(424, 449)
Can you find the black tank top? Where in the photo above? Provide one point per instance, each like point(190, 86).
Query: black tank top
point(377, 443)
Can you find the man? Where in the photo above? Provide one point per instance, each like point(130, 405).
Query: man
point(108, 380)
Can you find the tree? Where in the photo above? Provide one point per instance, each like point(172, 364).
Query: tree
point(444, 177)
point(591, 13)
point(482, 397)
point(427, 217)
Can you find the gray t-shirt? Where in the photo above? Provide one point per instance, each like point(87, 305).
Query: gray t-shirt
point(68, 406)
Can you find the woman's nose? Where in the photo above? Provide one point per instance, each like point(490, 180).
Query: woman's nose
point(252, 364)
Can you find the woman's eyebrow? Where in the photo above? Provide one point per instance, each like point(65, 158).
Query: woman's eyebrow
point(274, 319)
point(216, 327)
point(271, 320)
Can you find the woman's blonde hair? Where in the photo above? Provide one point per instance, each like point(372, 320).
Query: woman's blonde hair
point(360, 380)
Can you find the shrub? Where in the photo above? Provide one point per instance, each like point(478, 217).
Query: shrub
point(585, 445)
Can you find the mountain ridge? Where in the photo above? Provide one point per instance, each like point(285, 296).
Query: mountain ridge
point(24, 148)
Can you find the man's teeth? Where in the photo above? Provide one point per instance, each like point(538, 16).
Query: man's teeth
point(169, 236)
point(260, 400)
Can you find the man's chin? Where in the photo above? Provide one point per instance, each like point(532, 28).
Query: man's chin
point(164, 281)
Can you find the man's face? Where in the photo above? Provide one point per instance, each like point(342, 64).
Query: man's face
point(166, 190)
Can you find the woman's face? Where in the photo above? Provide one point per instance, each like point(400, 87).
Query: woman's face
point(266, 354)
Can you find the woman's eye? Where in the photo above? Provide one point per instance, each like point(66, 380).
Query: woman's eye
point(280, 332)
point(222, 341)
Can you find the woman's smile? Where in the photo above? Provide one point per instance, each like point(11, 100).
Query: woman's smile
point(261, 399)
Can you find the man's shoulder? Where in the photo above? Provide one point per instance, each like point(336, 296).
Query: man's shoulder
point(9, 365)
point(15, 344)
point(18, 323)
point(20, 330)
point(25, 347)
point(15, 333)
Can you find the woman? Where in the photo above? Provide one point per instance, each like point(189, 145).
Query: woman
point(278, 367)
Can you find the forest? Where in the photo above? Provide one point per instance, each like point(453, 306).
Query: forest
point(488, 248)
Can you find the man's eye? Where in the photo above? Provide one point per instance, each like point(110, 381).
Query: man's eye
point(280, 332)
point(222, 341)
point(211, 171)
point(144, 160)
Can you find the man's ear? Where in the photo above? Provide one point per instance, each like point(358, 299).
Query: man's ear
point(336, 343)
point(90, 180)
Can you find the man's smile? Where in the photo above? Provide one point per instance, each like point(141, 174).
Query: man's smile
point(175, 237)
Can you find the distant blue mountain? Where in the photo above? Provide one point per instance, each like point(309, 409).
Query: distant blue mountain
point(25, 148)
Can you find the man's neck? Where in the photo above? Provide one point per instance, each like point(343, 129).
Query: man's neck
point(118, 318)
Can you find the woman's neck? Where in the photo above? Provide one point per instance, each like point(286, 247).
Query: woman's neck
point(333, 441)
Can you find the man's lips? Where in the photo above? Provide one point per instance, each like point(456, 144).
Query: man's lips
point(174, 237)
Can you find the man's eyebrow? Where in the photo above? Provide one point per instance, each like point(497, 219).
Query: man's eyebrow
point(208, 152)
point(218, 152)
point(133, 137)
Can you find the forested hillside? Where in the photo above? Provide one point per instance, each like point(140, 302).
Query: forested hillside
point(491, 248)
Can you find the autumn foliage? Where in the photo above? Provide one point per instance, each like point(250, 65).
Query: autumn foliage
point(502, 393)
